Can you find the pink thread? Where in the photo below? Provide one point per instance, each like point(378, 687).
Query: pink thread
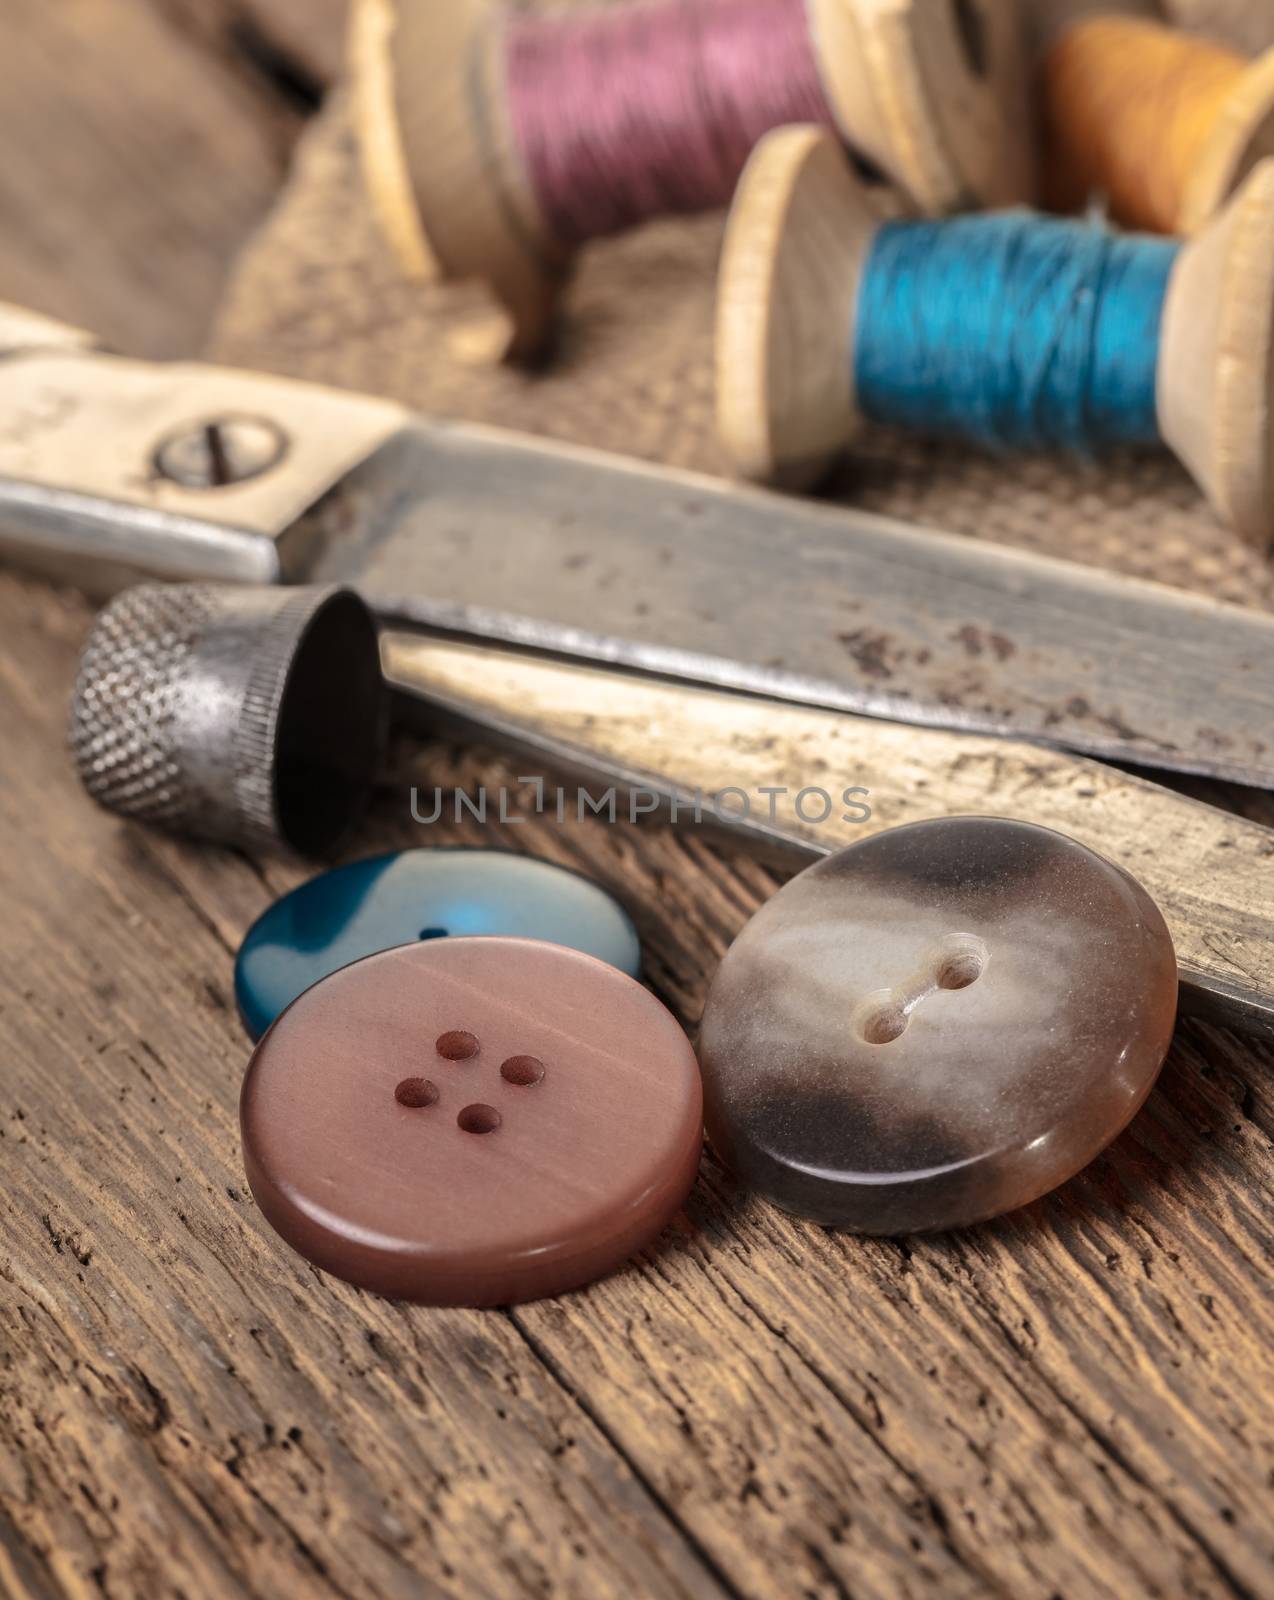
point(650, 108)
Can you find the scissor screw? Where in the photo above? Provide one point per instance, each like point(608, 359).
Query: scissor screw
point(220, 452)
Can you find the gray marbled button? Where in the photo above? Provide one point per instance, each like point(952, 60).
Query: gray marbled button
point(936, 1025)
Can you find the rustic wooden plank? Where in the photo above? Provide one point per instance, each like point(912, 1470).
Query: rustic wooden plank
point(143, 142)
point(301, 42)
point(1076, 1400)
point(179, 1411)
point(1073, 1400)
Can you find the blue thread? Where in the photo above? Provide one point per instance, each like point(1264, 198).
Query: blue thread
point(1015, 331)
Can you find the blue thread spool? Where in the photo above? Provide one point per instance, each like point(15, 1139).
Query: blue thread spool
point(1013, 331)
point(356, 910)
point(1017, 332)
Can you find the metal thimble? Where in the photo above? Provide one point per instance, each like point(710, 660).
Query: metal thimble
point(250, 716)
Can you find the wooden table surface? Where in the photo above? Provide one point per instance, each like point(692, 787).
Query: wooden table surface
point(143, 140)
point(1072, 1401)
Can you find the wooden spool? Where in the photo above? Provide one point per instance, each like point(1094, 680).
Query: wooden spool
point(796, 245)
point(1241, 138)
point(1241, 135)
point(930, 92)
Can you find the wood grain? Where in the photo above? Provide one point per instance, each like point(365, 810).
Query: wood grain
point(1073, 1400)
point(143, 140)
point(298, 40)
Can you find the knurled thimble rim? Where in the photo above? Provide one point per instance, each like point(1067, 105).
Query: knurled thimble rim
point(138, 749)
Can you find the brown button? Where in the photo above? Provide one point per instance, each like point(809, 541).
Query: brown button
point(472, 1121)
point(936, 1025)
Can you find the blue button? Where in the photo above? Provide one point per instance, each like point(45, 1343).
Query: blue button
point(373, 905)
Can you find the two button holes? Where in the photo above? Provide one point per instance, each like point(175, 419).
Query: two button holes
point(459, 1045)
point(955, 963)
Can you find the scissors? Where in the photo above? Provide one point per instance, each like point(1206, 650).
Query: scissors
point(677, 635)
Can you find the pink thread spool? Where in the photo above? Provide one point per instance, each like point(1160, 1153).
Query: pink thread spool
point(495, 144)
point(650, 109)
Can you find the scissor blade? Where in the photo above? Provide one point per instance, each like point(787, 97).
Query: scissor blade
point(790, 768)
point(497, 537)
point(508, 538)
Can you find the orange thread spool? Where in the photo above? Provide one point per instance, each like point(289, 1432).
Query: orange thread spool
point(1162, 124)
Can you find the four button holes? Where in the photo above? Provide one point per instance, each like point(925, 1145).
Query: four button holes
point(956, 962)
point(458, 1045)
point(879, 1019)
